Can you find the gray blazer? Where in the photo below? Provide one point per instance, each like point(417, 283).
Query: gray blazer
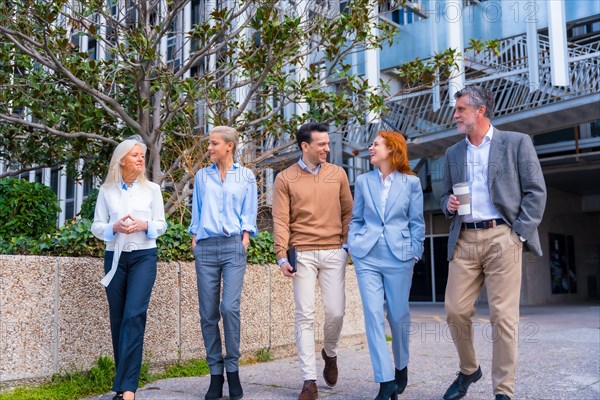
point(515, 181)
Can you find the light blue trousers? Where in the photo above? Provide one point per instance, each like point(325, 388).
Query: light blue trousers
point(384, 282)
point(220, 259)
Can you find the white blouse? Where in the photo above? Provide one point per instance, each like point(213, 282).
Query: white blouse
point(142, 201)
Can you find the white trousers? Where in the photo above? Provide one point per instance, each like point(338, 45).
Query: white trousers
point(328, 267)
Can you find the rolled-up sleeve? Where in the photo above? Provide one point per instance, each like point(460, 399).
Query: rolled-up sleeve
point(250, 205)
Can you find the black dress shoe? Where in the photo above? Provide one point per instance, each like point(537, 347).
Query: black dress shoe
point(401, 378)
point(387, 390)
point(461, 384)
point(502, 396)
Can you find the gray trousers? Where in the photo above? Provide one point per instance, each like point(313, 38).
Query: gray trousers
point(220, 259)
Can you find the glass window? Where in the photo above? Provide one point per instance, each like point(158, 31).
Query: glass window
point(595, 129)
point(563, 135)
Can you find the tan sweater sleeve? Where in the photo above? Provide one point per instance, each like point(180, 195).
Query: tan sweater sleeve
point(346, 204)
point(281, 217)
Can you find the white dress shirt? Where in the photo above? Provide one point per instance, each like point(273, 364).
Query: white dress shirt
point(482, 208)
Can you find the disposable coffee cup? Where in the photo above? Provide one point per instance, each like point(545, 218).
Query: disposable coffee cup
point(462, 193)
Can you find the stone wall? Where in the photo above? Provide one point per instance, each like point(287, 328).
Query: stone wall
point(54, 315)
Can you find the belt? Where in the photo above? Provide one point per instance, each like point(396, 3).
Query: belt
point(491, 223)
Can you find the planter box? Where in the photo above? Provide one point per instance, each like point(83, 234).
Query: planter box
point(54, 315)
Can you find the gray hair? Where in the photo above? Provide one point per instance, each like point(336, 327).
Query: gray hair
point(229, 135)
point(478, 96)
point(114, 170)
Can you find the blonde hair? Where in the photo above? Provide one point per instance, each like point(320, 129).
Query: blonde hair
point(229, 135)
point(114, 169)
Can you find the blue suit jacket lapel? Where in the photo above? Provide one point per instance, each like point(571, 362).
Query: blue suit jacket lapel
point(375, 190)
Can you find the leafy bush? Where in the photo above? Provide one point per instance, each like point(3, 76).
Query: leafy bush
point(26, 209)
point(175, 244)
point(260, 250)
point(89, 205)
point(75, 239)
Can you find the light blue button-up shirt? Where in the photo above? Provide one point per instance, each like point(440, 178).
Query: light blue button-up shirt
point(306, 167)
point(224, 208)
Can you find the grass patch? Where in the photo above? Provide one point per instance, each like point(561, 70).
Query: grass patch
point(262, 355)
point(98, 380)
point(388, 338)
point(69, 386)
point(186, 369)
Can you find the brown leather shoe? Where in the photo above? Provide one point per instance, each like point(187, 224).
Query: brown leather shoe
point(330, 371)
point(309, 391)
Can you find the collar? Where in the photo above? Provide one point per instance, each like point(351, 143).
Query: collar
point(487, 138)
point(306, 167)
point(234, 166)
point(390, 177)
point(124, 186)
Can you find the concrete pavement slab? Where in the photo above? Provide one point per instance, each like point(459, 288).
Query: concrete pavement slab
point(559, 358)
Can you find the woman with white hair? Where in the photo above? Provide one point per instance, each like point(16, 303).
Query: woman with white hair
point(129, 216)
point(224, 209)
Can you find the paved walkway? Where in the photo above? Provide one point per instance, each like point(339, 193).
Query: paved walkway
point(559, 354)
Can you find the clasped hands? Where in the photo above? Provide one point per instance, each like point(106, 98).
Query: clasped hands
point(129, 224)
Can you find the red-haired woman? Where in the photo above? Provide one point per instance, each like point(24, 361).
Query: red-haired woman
point(385, 240)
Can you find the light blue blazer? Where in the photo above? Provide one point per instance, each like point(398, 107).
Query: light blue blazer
point(402, 223)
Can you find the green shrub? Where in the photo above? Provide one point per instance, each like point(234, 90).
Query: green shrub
point(75, 239)
point(260, 250)
point(26, 209)
point(175, 244)
point(89, 205)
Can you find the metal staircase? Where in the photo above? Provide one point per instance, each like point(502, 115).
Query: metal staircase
point(518, 107)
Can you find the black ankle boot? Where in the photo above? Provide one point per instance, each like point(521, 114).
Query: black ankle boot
point(235, 387)
point(401, 379)
point(215, 390)
point(387, 390)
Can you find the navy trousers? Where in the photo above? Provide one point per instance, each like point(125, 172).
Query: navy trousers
point(128, 296)
point(216, 258)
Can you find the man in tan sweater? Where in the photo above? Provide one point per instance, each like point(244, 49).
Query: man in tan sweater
point(312, 207)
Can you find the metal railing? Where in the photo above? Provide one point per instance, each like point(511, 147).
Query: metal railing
point(506, 75)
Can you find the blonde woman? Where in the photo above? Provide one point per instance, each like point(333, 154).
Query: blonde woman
point(224, 209)
point(129, 216)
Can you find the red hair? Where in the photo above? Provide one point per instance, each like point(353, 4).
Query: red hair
point(398, 151)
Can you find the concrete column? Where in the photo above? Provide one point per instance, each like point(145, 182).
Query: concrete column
point(187, 27)
point(302, 68)
point(557, 32)
point(372, 64)
point(101, 45)
point(454, 16)
point(62, 195)
point(532, 53)
point(79, 188)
